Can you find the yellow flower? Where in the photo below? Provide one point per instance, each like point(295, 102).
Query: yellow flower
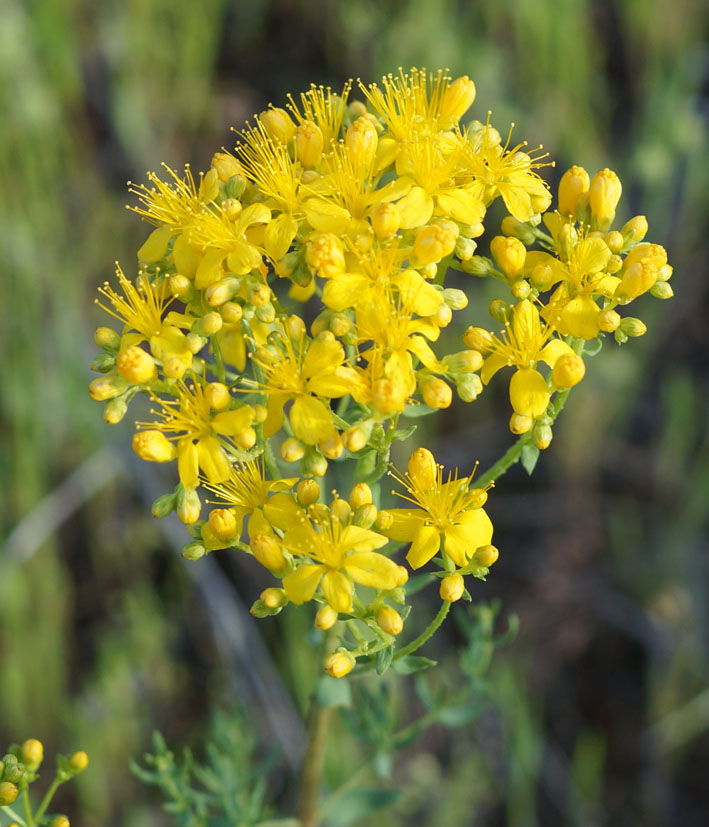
point(497, 170)
point(446, 512)
point(303, 374)
point(524, 343)
point(244, 494)
point(200, 436)
point(324, 108)
point(342, 554)
point(173, 204)
point(141, 309)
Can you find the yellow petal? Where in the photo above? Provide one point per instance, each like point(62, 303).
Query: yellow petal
point(335, 383)
point(418, 346)
point(344, 291)
point(210, 269)
point(461, 205)
point(300, 586)
point(474, 530)
point(338, 591)
point(231, 423)
point(187, 257)
point(283, 512)
point(371, 569)
point(580, 318)
point(258, 524)
point(417, 294)
point(424, 547)
point(491, 365)
point(275, 415)
point(323, 354)
point(529, 392)
point(242, 258)
point(155, 245)
point(591, 255)
point(326, 217)
point(525, 322)
point(279, 235)
point(415, 208)
point(213, 460)
point(358, 539)
point(188, 463)
point(551, 352)
point(407, 523)
point(254, 214)
point(311, 420)
point(233, 347)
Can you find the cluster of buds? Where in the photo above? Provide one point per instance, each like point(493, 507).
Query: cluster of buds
point(356, 208)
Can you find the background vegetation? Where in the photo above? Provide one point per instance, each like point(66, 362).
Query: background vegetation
point(601, 712)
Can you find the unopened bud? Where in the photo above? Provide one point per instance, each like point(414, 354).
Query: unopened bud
point(365, 515)
point(436, 393)
point(325, 255)
point(115, 410)
point(634, 230)
point(164, 506)
point(222, 291)
point(260, 295)
point(603, 196)
point(509, 253)
point(477, 338)
point(434, 242)
point(278, 124)
point(569, 369)
point(542, 277)
point(217, 395)
point(307, 492)
point(180, 286)
point(8, 793)
point(479, 266)
point(614, 240)
point(107, 387)
point(518, 229)
point(573, 182)
point(455, 299)
point(188, 505)
point(325, 618)
point(60, 821)
point(422, 469)
point(361, 494)
point(521, 289)
point(384, 521)
point(136, 365)
point(662, 290)
point(633, 327)
point(195, 342)
point(486, 555)
point(210, 324)
point(339, 664)
point(385, 220)
point(267, 550)
point(222, 523)
point(32, 753)
point(356, 438)
point(273, 598)
point(469, 387)
point(232, 208)
point(232, 312)
point(361, 140)
point(226, 166)
point(608, 321)
point(308, 144)
point(543, 435)
point(292, 450)
point(457, 99)
point(389, 620)
point(313, 464)
point(333, 447)
point(194, 550)
point(452, 588)
point(520, 424)
point(107, 338)
point(341, 510)
point(153, 446)
point(465, 248)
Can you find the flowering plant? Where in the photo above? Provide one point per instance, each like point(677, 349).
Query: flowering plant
point(353, 207)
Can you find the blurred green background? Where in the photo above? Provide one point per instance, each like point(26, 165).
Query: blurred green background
point(603, 706)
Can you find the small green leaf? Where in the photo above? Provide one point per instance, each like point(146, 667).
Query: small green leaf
point(384, 658)
point(333, 692)
point(414, 411)
point(404, 433)
point(530, 455)
point(454, 716)
point(592, 348)
point(412, 663)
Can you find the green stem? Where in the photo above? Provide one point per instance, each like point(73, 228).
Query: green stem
point(9, 811)
point(313, 764)
point(27, 806)
point(221, 373)
point(270, 460)
point(511, 455)
point(428, 632)
point(45, 801)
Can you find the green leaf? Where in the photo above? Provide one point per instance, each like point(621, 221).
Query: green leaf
point(592, 348)
point(357, 804)
point(401, 434)
point(420, 581)
point(384, 658)
point(454, 716)
point(412, 663)
point(333, 692)
point(530, 455)
point(414, 411)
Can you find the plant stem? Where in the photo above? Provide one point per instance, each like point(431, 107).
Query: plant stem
point(221, 374)
point(428, 632)
point(27, 806)
point(45, 801)
point(511, 455)
point(7, 809)
point(312, 765)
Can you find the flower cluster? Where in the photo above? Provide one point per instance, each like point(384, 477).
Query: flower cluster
point(356, 208)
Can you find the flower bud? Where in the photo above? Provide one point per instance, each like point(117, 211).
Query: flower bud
point(313, 464)
point(541, 277)
point(308, 144)
point(325, 255)
point(222, 523)
point(486, 555)
point(222, 291)
point(520, 424)
point(78, 761)
point(384, 521)
point(273, 598)
point(521, 289)
point(307, 492)
point(435, 241)
point(661, 290)
point(478, 266)
point(195, 342)
point(333, 447)
point(521, 230)
point(442, 316)
point(259, 295)
point(457, 99)
point(245, 439)
point(107, 387)
point(153, 446)
point(389, 620)
point(115, 410)
point(465, 361)
point(319, 513)
point(232, 312)
point(604, 195)
point(614, 240)
point(634, 230)
point(422, 469)
point(543, 435)
point(361, 140)
point(217, 395)
point(232, 208)
point(573, 182)
point(107, 338)
point(267, 550)
point(455, 299)
point(510, 254)
point(356, 437)
point(385, 220)
point(278, 124)
point(436, 393)
point(292, 450)
point(365, 515)
point(452, 588)
point(341, 510)
point(356, 109)
point(164, 506)
point(402, 578)
point(339, 664)
point(8, 793)
point(608, 321)
point(569, 370)
point(103, 362)
point(209, 324)
point(136, 365)
point(633, 327)
point(59, 821)
point(469, 387)
point(32, 753)
point(361, 494)
point(188, 505)
point(477, 338)
point(325, 618)
point(465, 248)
